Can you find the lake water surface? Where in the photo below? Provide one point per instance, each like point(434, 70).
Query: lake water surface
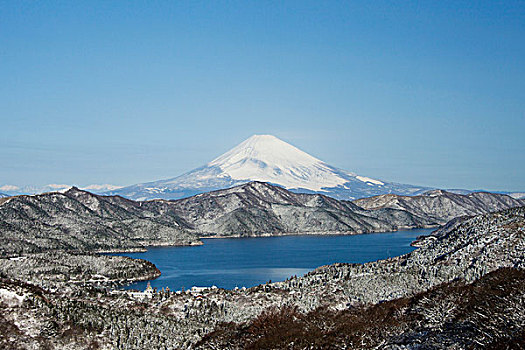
point(231, 262)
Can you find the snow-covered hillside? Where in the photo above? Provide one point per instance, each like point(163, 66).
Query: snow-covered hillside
point(268, 159)
point(517, 195)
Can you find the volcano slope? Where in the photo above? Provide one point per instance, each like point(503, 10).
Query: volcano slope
point(266, 158)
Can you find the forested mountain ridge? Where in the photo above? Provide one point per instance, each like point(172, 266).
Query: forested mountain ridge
point(78, 220)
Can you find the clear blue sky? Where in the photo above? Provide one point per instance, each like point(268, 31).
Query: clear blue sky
point(428, 93)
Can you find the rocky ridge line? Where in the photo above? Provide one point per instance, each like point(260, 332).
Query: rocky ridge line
point(80, 221)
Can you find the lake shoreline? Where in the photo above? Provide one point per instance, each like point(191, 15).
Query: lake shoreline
point(236, 261)
point(320, 233)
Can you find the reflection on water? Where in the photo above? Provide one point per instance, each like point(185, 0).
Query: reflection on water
point(232, 262)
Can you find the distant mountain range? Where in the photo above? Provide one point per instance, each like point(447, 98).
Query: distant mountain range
point(263, 158)
point(268, 159)
point(12, 190)
point(77, 220)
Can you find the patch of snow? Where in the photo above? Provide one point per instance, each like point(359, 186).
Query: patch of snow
point(9, 188)
point(58, 186)
point(367, 179)
point(196, 289)
point(153, 189)
point(435, 193)
point(18, 258)
point(104, 187)
point(11, 298)
point(97, 277)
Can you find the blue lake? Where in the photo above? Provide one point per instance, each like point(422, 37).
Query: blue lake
point(231, 262)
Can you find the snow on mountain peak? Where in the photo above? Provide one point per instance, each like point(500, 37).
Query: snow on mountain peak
point(265, 148)
point(265, 158)
point(269, 159)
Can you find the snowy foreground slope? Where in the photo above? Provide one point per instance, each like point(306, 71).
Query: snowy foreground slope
point(462, 289)
point(266, 158)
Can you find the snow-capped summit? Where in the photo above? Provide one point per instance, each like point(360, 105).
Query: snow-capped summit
point(266, 158)
point(269, 159)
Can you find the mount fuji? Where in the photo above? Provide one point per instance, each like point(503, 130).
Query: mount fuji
point(266, 158)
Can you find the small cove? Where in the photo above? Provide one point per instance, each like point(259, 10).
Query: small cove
point(246, 262)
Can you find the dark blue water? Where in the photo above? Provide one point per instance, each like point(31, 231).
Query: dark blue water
point(247, 262)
